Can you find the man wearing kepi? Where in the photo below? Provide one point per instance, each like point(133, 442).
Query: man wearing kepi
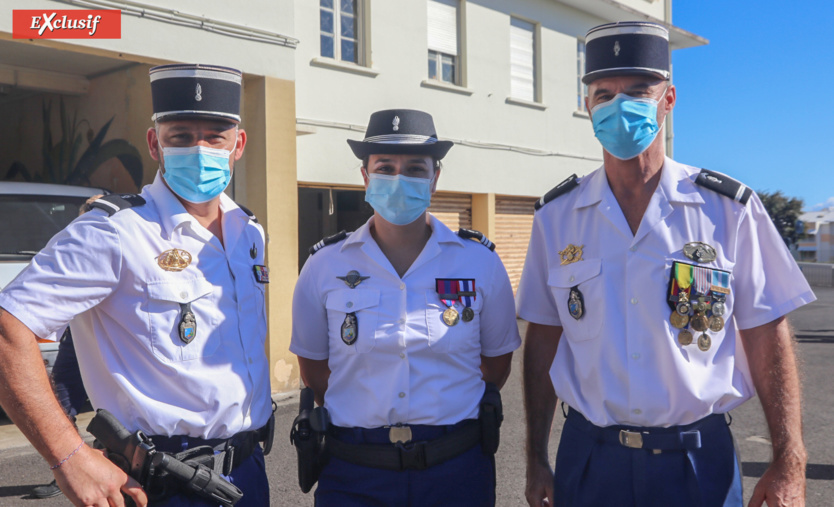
point(406, 330)
point(656, 295)
point(165, 291)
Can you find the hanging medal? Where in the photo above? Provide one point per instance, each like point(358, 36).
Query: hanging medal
point(467, 296)
point(576, 303)
point(350, 328)
point(447, 290)
point(188, 324)
point(683, 283)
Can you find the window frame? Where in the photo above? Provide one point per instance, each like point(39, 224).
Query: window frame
point(581, 88)
point(458, 60)
point(361, 37)
point(537, 60)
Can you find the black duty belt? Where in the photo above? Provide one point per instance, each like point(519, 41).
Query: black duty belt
point(402, 453)
point(231, 451)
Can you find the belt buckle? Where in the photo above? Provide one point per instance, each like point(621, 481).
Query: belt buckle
point(631, 439)
point(399, 433)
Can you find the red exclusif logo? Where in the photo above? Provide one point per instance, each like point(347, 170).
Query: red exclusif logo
point(67, 24)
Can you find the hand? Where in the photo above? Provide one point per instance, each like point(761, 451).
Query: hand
point(88, 478)
point(782, 485)
point(539, 490)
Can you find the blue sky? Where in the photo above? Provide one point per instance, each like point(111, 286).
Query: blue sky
point(757, 102)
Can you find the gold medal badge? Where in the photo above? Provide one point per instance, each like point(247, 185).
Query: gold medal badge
point(571, 254)
point(174, 260)
point(451, 316)
point(685, 337)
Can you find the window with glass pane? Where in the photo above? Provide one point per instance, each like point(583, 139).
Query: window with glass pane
point(443, 40)
point(522, 60)
point(581, 89)
point(339, 26)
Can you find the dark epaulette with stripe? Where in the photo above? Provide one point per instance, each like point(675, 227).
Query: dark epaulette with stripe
point(248, 212)
point(477, 236)
point(339, 236)
point(562, 188)
point(724, 185)
point(114, 203)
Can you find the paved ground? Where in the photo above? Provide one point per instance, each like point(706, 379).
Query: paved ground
point(21, 469)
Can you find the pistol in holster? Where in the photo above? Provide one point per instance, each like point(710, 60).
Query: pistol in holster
point(307, 435)
point(491, 416)
point(137, 456)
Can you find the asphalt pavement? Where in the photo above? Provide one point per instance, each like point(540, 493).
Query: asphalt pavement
point(21, 468)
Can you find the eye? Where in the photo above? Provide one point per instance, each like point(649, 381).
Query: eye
point(384, 169)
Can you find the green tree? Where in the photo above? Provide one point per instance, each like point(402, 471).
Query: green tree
point(784, 211)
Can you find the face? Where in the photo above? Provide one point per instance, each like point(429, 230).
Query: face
point(196, 132)
point(638, 87)
point(413, 166)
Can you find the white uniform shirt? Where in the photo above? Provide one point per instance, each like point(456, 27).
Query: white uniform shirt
point(104, 270)
point(406, 366)
point(621, 363)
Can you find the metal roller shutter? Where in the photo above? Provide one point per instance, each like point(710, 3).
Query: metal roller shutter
point(454, 210)
point(513, 221)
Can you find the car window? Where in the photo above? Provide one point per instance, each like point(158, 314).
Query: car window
point(28, 222)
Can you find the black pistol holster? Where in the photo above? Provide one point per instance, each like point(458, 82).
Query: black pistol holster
point(491, 416)
point(307, 435)
point(137, 456)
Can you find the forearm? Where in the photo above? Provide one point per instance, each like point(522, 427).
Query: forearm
point(773, 365)
point(26, 393)
point(315, 374)
point(540, 346)
point(496, 369)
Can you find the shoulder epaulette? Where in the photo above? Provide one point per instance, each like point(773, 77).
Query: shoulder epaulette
point(339, 236)
point(248, 212)
point(114, 203)
point(477, 236)
point(562, 188)
point(724, 185)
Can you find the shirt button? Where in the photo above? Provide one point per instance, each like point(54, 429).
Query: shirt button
point(633, 249)
point(402, 286)
point(635, 356)
point(349, 304)
point(634, 301)
point(572, 278)
point(250, 360)
point(402, 355)
point(402, 395)
point(637, 411)
point(183, 294)
point(401, 321)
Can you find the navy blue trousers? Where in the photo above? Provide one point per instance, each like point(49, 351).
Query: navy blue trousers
point(467, 480)
point(592, 469)
point(249, 476)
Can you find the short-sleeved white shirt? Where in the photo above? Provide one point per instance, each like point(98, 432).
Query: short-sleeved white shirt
point(103, 271)
point(621, 363)
point(406, 366)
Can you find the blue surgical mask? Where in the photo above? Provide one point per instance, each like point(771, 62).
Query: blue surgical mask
point(398, 199)
point(197, 174)
point(625, 126)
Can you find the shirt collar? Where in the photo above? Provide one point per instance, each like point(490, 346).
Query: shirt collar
point(675, 183)
point(440, 233)
point(172, 214)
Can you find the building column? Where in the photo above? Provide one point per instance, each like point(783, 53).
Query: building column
point(271, 191)
point(483, 214)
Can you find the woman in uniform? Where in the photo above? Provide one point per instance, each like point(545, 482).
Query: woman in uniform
point(405, 330)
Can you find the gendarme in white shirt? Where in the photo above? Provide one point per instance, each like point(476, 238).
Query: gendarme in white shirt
point(406, 366)
point(621, 363)
point(103, 271)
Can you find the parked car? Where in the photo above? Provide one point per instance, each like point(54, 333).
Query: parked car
point(30, 214)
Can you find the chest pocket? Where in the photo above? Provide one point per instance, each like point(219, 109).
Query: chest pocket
point(364, 304)
point(165, 315)
point(585, 276)
point(444, 338)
